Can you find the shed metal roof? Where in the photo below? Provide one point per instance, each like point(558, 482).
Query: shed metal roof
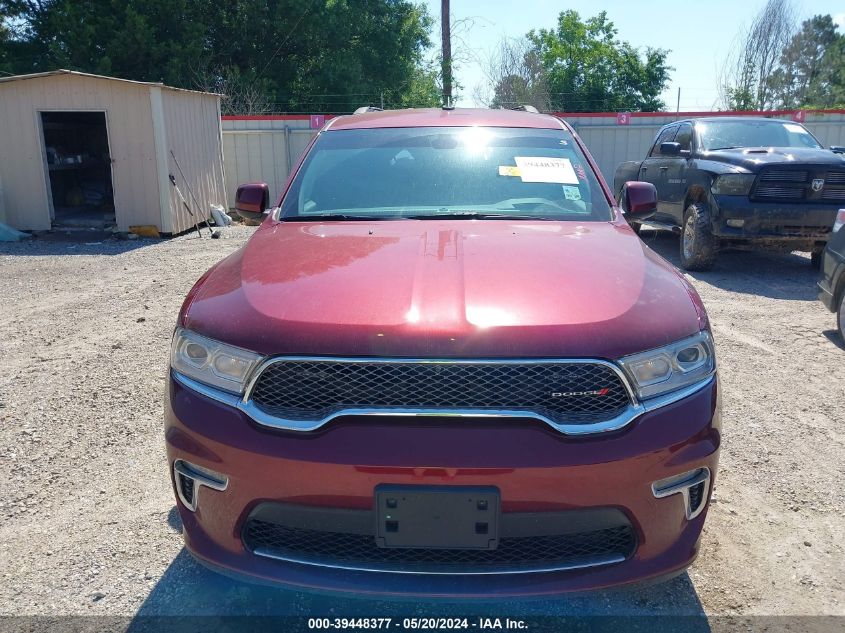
point(63, 71)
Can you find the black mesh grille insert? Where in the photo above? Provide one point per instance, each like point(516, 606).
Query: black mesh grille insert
point(696, 496)
point(513, 552)
point(186, 485)
point(577, 393)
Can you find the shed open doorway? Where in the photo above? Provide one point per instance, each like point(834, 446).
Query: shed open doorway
point(76, 147)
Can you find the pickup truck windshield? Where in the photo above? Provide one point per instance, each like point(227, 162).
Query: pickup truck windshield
point(428, 173)
point(715, 135)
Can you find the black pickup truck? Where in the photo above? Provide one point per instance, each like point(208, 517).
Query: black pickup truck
point(741, 182)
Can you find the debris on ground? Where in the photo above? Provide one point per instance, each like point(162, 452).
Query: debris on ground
point(8, 234)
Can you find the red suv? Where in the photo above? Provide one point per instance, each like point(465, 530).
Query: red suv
point(444, 365)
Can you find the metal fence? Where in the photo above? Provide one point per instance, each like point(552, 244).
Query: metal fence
point(264, 148)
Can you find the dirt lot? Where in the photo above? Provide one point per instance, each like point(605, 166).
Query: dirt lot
point(88, 519)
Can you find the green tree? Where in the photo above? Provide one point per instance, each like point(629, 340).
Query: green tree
point(811, 72)
point(331, 56)
point(423, 89)
point(588, 69)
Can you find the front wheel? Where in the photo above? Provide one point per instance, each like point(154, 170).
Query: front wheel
point(698, 244)
point(840, 317)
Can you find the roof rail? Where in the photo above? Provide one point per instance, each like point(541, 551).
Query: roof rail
point(365, 109)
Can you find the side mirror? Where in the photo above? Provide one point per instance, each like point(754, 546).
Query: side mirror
point(837, 149)
point(638, 200)
point(670, 149)
point(252, 201)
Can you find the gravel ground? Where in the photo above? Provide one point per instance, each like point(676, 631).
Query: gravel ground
point(88, 518)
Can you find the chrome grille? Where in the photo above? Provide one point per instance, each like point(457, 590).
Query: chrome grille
point(794, 193)
point(781, 184)
point(314, 389)
point(794, 184)
point(834, 186)
point(784, 175)
point(833, 194)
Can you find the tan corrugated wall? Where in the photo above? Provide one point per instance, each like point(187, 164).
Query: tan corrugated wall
point(192, 131)
point(22, 168)
point(262, 151)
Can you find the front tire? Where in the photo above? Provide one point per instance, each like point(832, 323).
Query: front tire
point(698, 244)
point(840, 317)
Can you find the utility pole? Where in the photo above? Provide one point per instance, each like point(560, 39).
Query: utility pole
point(446, 64)
point(678, 107)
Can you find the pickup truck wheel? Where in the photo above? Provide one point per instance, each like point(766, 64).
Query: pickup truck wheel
point(840, 316)
point(698, 244)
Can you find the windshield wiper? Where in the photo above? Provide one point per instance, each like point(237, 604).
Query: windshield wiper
point(460, 215)
point(334, 217)
point(473, 215)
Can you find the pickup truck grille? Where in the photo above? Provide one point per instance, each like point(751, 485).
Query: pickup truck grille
point(571, 392)
point(784, 175)
point(785, 184)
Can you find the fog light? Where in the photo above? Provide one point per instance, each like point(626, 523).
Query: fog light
point(693, 486)
point(736, 224)
point(189, 477)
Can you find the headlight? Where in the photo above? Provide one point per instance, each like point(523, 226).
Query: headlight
point(666, 369)
point(733, 184)
point(211, 362)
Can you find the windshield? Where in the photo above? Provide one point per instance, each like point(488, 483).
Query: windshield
point(729, 134)
point(424, 173)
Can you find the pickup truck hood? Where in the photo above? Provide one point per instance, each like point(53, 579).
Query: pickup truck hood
point(753, 158)
point(445, 288)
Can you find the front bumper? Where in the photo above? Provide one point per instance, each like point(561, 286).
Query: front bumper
point(776, 221)
point(534, 468)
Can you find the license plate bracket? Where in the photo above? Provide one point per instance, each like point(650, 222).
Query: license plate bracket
point(437, 517)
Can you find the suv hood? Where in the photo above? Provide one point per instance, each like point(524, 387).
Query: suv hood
point(753, 158)
point(445, 288)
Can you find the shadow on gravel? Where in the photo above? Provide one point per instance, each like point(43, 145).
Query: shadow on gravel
point(834, 337)
point(174, 520)
point(188, 592)
point(768, 274)
point(75, 243)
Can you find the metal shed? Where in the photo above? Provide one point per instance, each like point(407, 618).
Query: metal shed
point(76, 148)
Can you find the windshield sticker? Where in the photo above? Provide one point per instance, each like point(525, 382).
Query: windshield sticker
point(508, 170)
point(794, 128)
point(580, 171)
point(544, 169)
point(571, 193)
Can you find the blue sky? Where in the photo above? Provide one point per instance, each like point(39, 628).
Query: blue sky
point(698, 34)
